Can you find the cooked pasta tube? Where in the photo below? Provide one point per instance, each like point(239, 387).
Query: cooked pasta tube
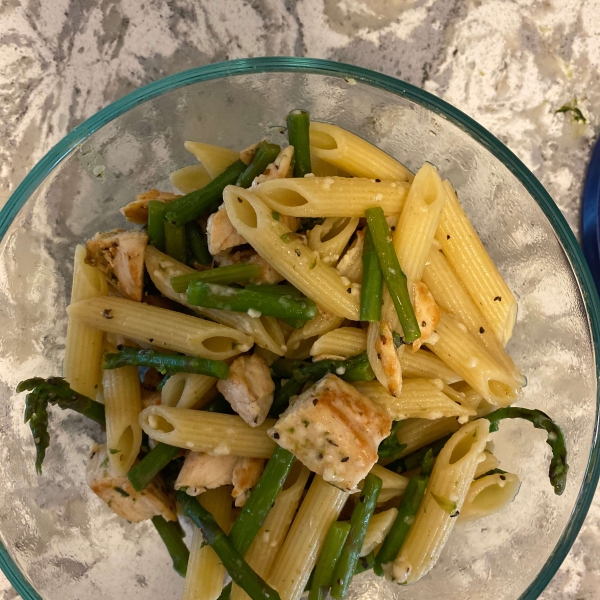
point(379, 526)
point(209, 432)
point(427, 365)
point(393, 484)
point(83, 349)
point(161, 327)
point(215, 159)
point(268, 541)
point(323, 323)
point(205, 571)
point(286, 253)
point(449, 484)
point(489, 464)
point(122, 403)
point(477, 271)
point(191, 178)
point(187, 390)
point(343, 343)
point(416, 433)
point(420, 398)
point(451, 296)
point(331, 196)
point(488, 495)
point(320, 508)
point(162, 268)
point(331, 237)
point(465, 354)
point(354, 155)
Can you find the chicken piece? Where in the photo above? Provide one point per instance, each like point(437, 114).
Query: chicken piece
point(249, 388)
point(221, 234)
point(120, 496)
point(246, 474)
point(119, 254)
point(334, 431)
point(137, 211)
point(427, 312)
point(267, 273)
point(280, 168)
point(350, 264)
point(390, 361)
point(201, 472)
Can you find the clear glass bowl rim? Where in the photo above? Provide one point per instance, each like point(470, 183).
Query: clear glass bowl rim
point(396, 86)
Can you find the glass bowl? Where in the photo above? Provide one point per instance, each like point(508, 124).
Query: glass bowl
point(60, 542)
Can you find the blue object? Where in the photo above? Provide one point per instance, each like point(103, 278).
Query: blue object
point(590, 223)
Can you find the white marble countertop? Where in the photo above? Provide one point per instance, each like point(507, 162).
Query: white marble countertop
point(508, 64)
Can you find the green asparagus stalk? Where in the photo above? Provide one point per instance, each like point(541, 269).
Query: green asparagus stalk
point(281, 398)
point(407, 511)
point(558, 465)
point(165, 363)
point(197, 243)
point(155, 461)
point(171, 534)
point(156, 224)
point(266, 153)
point(175, 241)
point(332, 548)
point(277, 290)
point(359, 521)
point(394, 277)
point(221, 275)
point(211, 295)
point(298, 125)
point(365, 563)
point(372, 282)
point(391, 448)
point(413, 460)
point(55, 391)
point(255, 510)
point(204, 201)
point(239, 570)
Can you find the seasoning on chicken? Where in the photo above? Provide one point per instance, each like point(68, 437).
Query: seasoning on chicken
point(221, 234)
point(137, 211)
point(249, 388)
point(201, 472)
point(120, 496)
point(246, 473)
point(119, 254)
point(427, 313)
point(267, 273)
point(280, 168)
point(390, 361)
point(334, 431)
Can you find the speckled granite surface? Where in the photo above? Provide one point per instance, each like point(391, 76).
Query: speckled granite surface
point(508, 64)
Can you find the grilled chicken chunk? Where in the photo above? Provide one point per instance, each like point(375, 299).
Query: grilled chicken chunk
point(119, 255)
point(120, 496)
point(246, 474)
point(220, 233)
point(280, 168)
point(390, 361)
point(137, 211)
point(427, 312)
point(334, 431)
point(249, 388)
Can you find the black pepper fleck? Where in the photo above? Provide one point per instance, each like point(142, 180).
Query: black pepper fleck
point(481, 330)
point(349, 290)
point(106, 313)
point(454, 515)
point(447, 237)
point(345, 459)
point(276, 435)
point(150, 340)
point(315, 401)
point(320, 456)
point(119, 347)
point(378, 180)
point(298, 253)
point(423, 323)
point(498, 299)
point(393, 228)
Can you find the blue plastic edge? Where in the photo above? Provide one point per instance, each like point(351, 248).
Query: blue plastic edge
point(590, 225)
point(318, 66)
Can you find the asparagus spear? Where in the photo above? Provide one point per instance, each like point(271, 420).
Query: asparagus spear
point(394, 277)
point(391, 448)
point(540, 420)
point(175, 241)
point(157, 459)
point(239, 570)
point(298, 125)
point(359, 521)
point(330, 553)
point(204, 201)
point(283, 394)
point(55, 391)
point(372, 282)
point(197, 243)
point(363, 564)
point(156, 224)
point(278, 290)
point(266, 153)
point(171, 534)
point(211, 295)
point(222, 275)
point(407, 511)
point(165, 363)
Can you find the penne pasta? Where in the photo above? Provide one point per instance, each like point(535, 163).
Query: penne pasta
point(214, 159)
point(488, 464)
point(417, 433)
point(378, 528)
point(286, 253)
point(448, 487)
point(354, 155)
point(212, 433)
point(320, 325)
point(473, 265)
point(187, 390)
point(190, 178)
point(342, 343)
point(331, 196)
point(393, 484)
point(161, 327)
point(423, 364)
point(83, 348)
point(489, 495)
point(331, 237)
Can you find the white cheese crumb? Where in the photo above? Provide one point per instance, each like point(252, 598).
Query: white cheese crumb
point(189, 444)
point(378, 197)
point(309, 175)
point(340, 370)
point(350, 80)
point(221, 450)
point(255, 314)
point(461, 326)
point(346, 281)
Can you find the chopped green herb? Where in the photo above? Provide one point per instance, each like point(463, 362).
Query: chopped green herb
point(121, 491)
point(445, 504)
point(276, 215)
point(114, 450)
point(576, 114)
point(287, 237)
